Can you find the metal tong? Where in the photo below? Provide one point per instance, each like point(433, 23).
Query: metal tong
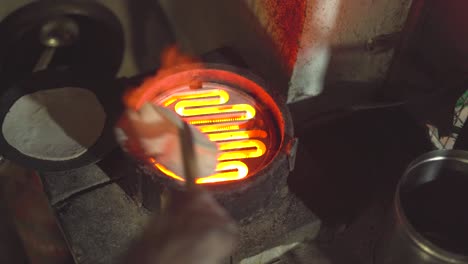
point(188, 155)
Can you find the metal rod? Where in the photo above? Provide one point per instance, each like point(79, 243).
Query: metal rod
point(188, 155)
point(44, 59)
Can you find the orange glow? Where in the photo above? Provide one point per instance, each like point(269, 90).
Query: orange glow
point(247, 110)
point(218, 128)
point(227, 171)
point(220, 97)
point(210, 120)
point(244, 149)
point(165, 170)
point(227, 124)
point(171, 58)
point(233, 110)
point(237, 135)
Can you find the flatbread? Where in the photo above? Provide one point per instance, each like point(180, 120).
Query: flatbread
point(56, 124)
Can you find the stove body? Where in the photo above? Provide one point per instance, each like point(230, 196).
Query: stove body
point(268, 214)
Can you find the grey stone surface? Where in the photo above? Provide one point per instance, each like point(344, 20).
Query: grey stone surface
point(285, 220)
point(100, 225)
point(60, 185)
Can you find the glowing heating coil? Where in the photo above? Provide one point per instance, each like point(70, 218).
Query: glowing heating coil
point(230, 125)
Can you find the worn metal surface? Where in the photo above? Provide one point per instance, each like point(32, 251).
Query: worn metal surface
point(146, 34)
point(206, 25)
point(332, 46)
point(359, 22)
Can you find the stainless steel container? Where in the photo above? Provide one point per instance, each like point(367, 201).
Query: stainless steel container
point(429, 218)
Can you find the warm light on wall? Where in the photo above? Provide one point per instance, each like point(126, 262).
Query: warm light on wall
point(230, 118)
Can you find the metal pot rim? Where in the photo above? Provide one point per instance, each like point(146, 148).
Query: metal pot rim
point(418, 239)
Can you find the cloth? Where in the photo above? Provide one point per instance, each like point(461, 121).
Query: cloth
point(152, 134)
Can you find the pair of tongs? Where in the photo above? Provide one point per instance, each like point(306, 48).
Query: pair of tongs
point(188, 155)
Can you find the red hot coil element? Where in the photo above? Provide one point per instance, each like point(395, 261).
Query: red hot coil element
point(244, 129)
